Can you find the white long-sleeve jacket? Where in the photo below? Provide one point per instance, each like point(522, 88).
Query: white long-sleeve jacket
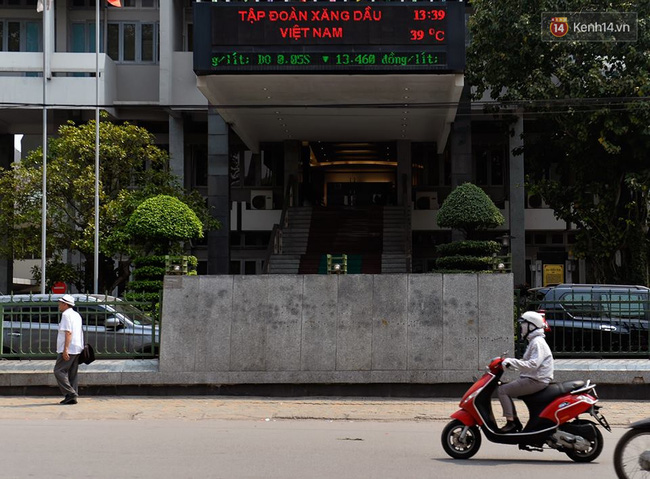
point(537, 362)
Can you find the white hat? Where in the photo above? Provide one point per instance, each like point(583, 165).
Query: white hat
point(67, 299)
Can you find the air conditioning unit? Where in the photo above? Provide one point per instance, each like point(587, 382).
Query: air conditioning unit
point(535, 201)
point(426, 200)
point(261, 199)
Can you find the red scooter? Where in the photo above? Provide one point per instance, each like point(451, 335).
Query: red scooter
point(553, 422)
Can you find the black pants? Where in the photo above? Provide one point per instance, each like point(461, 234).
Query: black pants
point(65, 373)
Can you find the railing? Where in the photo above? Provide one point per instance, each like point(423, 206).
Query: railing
point(115, 328)
point(275, 242)
point(615, 325)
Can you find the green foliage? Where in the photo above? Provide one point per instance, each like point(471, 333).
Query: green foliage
point(56, 270)
point(464, 262)
point(132, 169)
point(151, 260)
point(469, 247)
point(164, 219)
point(468, 208)
point(591, 110)
point(145, 300)
point(149, 272)
point(147, 286)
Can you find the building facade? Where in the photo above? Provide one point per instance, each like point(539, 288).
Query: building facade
point(296, 163)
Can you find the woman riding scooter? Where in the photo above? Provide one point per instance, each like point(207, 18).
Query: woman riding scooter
point(536, 369)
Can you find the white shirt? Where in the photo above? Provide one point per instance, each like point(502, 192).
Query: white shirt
point(70, 321)
point(537, 362)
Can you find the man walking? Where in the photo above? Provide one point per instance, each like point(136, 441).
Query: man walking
point(69, 343)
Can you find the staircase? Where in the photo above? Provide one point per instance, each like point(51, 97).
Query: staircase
point(294, 242)
point(394, 258)
point(373, 237)
point(344, 230)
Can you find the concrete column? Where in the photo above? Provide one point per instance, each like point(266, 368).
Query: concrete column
point(292, 151)
point(168, 26)
point(177, 147)
point(404, 173)
point(461, 148)
point(517, 201)
point(218, 193)
point(6, 265)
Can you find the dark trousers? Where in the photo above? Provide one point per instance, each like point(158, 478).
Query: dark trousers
point(65, 373)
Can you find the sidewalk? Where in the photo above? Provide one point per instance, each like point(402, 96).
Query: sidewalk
point(199, 408)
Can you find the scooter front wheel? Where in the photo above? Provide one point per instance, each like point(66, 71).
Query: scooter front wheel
point(632, 455)
point(457, 447)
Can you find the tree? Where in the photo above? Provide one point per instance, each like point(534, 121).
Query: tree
point(132, 169)
point(469, 209)
point(591, 104)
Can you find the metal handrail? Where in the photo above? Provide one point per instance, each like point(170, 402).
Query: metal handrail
point(275, 241)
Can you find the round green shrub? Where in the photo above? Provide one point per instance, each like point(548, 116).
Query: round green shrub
point(164, 217)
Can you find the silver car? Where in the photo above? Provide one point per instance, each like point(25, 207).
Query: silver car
point(113, 327)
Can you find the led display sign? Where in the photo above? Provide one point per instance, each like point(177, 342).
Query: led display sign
point(328, 37)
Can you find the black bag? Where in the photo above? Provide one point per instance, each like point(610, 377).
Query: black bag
point(87, 354)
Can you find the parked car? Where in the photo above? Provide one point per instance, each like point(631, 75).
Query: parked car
point(113, 327)
point(596, 318)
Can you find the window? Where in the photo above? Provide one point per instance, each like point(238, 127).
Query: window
point(19, 3)
point(199, 165)
point(133, 42)
point(580, 304)
point(489, 165)
point(139, 3)
point(624, 305)
point(21, 36)
point(82, 38)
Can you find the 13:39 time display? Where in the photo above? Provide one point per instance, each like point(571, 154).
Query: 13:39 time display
point(422, 14)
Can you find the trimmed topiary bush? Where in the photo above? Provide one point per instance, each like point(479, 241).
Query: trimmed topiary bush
point(163, 219)
point(469, 208)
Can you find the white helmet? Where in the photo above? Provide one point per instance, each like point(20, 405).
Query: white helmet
point(533, 318)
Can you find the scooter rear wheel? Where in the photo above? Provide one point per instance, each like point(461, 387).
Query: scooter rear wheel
point(593, 452)
point(452, 443)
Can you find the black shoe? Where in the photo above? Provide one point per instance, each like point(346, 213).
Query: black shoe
point(511, 426)
point(69, 400)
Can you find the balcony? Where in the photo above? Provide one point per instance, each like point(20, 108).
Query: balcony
point(21, 81)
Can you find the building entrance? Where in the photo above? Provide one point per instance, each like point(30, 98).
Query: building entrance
point(351, 174)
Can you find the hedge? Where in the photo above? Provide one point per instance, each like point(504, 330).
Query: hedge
point(465, 262)
point(468, 247)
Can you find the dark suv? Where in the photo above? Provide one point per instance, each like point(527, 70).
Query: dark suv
point(595, 318)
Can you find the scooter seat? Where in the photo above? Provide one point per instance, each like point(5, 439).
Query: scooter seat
point(552, 391)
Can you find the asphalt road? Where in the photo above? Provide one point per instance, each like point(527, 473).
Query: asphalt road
point(163, 448)
point(258, 437)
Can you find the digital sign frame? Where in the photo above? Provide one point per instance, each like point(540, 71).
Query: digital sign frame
point(329, 37)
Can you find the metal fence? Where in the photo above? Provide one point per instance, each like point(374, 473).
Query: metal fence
point(115, 328)
point(594, 322)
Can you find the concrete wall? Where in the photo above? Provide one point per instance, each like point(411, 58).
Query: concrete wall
point(398, 328)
